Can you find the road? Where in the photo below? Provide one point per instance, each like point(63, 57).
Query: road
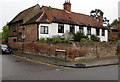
point(14, 68)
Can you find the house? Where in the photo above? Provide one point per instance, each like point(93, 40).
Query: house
point(114, 33)
point(43, 22)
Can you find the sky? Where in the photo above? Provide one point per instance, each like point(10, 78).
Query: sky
point(10, 8)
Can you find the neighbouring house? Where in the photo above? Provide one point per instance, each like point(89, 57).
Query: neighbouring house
point(114, 33)
point(38, 22)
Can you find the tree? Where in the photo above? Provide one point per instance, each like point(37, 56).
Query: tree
point(97, 13)
point(115, 22)
point(5, 34)
point(78, 36)
point(95, 38)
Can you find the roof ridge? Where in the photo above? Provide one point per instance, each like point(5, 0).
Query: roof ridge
point(30, 7)
point(65, 11)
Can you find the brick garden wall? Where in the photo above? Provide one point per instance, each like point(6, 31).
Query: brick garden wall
point(74, 49)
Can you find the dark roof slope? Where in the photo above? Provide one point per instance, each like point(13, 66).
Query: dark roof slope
point(21, 15)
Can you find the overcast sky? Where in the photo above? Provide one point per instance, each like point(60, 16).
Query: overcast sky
point(10, 8)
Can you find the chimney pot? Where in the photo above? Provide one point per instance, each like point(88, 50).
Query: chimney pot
point(67, 5)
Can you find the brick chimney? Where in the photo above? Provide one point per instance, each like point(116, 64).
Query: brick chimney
point(67, 5)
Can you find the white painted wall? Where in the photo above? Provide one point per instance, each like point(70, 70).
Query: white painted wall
point(85, 30)
point(76, 29)
point(93, 31)
point(103, 38)
point(53, 30)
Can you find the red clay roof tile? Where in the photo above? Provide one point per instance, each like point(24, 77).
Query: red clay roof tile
point(60, 16)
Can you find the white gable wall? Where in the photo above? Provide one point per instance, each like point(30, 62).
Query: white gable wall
point(53, 30)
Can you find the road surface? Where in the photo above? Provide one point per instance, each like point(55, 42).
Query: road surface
point(14, 68)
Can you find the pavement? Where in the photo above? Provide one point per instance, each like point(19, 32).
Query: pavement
point(81, 62)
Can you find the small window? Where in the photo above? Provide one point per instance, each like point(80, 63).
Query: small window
point(23, 28)
point(14, 31)
point(81, 29)
point(14, 40)
point(103, 32)
point(97, 31)
point(60, 28)
point(72, 28)
point(44, 29)
point(88, 31)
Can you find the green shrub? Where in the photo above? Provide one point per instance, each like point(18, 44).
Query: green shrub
point(54, 39)
point(95, 38)
point(85, 40)
point(78, 36)
point(42, 40)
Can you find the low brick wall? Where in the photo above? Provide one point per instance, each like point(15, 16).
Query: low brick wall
point(74, 49)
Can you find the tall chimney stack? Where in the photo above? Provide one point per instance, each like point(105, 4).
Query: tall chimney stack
point(67, 5)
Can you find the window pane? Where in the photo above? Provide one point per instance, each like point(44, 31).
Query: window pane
point(97, 31)
point(103, 32)
point(72, 28)
point(60, 28)
point(44, 29)
point(81, 29)
point(89, 31)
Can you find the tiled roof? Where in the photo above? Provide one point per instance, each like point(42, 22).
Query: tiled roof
point(73, 18)
point(62, 16)
point(49, 15)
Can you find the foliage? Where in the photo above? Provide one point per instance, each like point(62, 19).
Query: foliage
point(115, 22)
point(78, 36)
point(68, 35)
point(113, 36)
point(5, 34)
point(95, 38)
point(54, 39)
point(85, 40)
point(99, 13)
point(42, 40)
point(96, 13)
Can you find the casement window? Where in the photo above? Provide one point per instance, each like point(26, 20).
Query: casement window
point(44, 29)
point(23, 28)
point(97, 31)
point(14, 40)
point(60, 28)
point(72, 28)
point(103, 32)
point(14, 28)
point(88, 31)
point(81, 29)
